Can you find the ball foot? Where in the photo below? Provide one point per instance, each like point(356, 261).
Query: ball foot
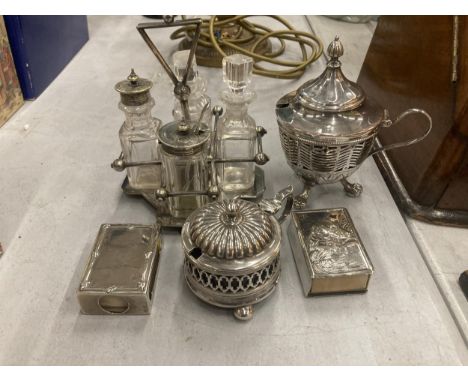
point(244, 313)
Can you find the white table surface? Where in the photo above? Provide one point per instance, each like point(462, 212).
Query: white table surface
point(56, 188)
point(445, 251)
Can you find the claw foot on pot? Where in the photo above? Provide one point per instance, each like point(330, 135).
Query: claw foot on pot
point(352, 190)
point(300, 201)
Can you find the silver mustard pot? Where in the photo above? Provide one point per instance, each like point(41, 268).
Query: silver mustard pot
point(328, 128)
point(232, 251)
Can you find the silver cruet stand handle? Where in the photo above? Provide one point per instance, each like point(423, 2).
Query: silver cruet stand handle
point(181, 89)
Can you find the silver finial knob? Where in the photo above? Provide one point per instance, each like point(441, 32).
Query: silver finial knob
point(217, 110)
point(133, 77)
point(261, 159)
point(335, 49)
point(183, 127)
point(161, 194)
point(118, 165)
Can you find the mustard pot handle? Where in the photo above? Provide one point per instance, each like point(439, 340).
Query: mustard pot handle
point(272, 206)
point(388, 122)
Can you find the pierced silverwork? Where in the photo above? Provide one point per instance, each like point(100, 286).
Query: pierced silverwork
point(328, 128)
point(232, 251)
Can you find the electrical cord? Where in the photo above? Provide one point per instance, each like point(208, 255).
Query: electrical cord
point(210, 37)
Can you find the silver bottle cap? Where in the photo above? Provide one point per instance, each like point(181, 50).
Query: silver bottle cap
point(134, 91)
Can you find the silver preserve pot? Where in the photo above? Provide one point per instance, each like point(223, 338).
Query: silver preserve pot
point(232, 251)
point(328, 128)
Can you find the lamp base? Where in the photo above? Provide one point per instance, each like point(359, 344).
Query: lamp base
point(209, 56)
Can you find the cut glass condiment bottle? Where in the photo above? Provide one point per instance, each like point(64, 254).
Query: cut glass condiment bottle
point(198, 97)
point(138, 134)
point(236, 131)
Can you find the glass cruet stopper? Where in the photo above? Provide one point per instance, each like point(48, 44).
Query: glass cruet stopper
point(237, 72)
point(180, 60)
point(198, 98)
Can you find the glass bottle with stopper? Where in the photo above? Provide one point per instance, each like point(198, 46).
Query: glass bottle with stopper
point(236, 134)
point(183, 143)
point(198, 98)
point(138, 134)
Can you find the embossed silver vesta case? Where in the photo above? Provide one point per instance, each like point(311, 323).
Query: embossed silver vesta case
point(328, 128)
point(232, 250)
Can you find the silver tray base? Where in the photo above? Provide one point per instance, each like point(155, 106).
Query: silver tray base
point(162, 210)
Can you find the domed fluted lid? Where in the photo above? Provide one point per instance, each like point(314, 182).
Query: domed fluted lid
point(331, 91)
point(231, 229)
